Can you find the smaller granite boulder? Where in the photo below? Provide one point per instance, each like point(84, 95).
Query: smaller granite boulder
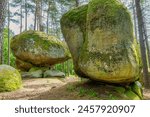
point(131, 92)
point(131, 95)
point(33, 74)
point(10, 78)
point(53, 73)
point(137, 89)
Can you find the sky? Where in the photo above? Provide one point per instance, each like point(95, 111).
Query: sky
point(16, 27)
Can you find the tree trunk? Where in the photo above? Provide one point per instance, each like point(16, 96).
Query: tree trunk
point(146, 42)
point(26, 16)
point(3, 7)
point(21, 16)
point(39, 15)
point(134, 17)
point(35, 17)
point(142, 44)
point(77, 3)
point(8, 59)
point(47, 22)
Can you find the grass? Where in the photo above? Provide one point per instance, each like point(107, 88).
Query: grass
point(87, 92)
point(71, 88)
point(112, 97)
point(82, 91)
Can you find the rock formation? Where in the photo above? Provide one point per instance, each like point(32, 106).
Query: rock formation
point(100, 38)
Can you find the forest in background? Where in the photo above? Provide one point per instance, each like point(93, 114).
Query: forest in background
point(45, 16)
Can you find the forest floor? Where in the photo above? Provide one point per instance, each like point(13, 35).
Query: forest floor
point(70, 88)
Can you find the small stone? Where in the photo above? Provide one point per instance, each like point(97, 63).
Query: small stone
point(53, 73)
point(33, 74)
point(131, 95)
point(137, 88)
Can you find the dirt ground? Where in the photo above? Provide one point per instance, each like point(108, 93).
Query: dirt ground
point(33, 87)
point(146, 94)
point(62, 89)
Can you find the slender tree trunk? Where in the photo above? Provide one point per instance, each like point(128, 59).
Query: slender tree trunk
point(35, 17)
point(77, 3)
point(3, 7)
point(134, 17)
point(8, 34)
point(68, 68)
point(146, 42)
point(26, 16)
point(142, 44)
point(21, 16)
point(47, 22)
point(39, 15)
point(146, 37)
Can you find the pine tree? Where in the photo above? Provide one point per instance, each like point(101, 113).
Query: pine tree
point(8, 59)
point(77, 3)
point(142, 43)
point(3, 7)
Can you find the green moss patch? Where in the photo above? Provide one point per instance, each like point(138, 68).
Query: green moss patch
point(131, 95)
point(10, 79)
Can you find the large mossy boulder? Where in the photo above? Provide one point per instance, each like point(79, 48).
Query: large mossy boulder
point(104, 46)
point(10, 78)
point(39, 49)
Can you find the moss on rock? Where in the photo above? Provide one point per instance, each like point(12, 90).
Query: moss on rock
point(131, 95)
point(137, 89)
point(108, 53)
point(39, 49)
point(120, 90)
point(10, 79)
point(22, 65)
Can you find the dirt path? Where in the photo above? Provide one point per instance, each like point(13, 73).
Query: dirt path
point(146, 94)
point(55, 88)
point(34, 87)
